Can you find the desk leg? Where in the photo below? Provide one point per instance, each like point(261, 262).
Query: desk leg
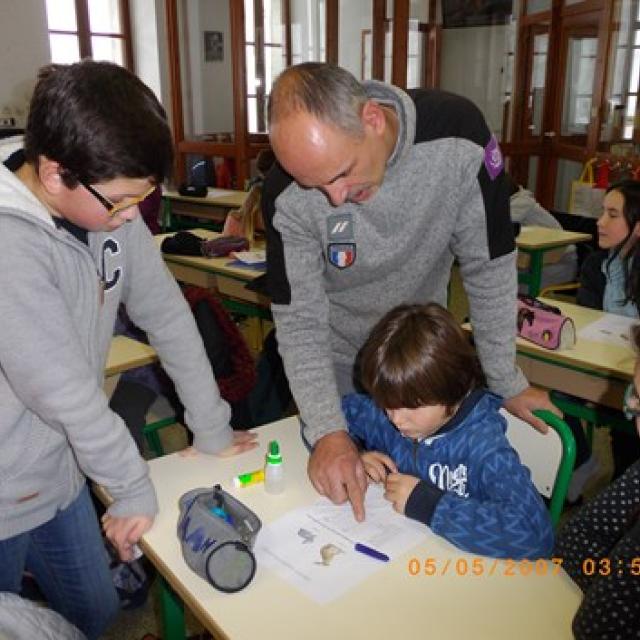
point(166, 214)
point(535, 270)
point(172, 613)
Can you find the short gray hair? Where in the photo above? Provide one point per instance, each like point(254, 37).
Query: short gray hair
point(323, 90)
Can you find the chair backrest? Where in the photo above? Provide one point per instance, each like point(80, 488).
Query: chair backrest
point(550, 457)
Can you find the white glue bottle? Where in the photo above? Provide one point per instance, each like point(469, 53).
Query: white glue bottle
point(274, 470)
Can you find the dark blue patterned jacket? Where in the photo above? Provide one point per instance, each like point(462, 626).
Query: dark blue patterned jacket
point(475, 492)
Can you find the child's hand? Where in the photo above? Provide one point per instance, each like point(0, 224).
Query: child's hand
point(242, 441)
point(123, 533)
point(398, 488)
point(377, 465)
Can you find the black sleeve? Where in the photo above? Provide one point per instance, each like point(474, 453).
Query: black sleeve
point(275, 182)
point(592, 281)
point(422, 502)
point(440, 114)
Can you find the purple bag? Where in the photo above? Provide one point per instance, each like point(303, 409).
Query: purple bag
point(544, 325)
point(223, 246)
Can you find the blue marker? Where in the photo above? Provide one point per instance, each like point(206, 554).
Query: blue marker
point(221, 513)
point(372, 553)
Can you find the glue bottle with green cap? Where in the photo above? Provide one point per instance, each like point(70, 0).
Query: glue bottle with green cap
point(274, 469)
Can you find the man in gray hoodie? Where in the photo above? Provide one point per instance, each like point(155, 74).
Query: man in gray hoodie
point(96, 143)
point(384, 190)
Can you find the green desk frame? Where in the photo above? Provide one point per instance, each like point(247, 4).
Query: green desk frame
point(532, 277)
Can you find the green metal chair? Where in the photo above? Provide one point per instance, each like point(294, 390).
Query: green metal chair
point(550, 457)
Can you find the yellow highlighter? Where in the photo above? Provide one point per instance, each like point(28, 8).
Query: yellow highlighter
point(248, 479)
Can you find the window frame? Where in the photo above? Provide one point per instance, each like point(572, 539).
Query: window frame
point(84, 33)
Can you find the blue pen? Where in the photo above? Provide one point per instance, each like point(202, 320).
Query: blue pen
point(372, 553)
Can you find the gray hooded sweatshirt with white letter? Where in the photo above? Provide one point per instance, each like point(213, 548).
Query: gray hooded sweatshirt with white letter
point(58, 303)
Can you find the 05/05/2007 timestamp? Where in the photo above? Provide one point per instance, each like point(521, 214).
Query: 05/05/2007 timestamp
point(476, 567)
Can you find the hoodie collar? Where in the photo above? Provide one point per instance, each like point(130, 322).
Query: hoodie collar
point(405, 109)
point(13, 190)
point(466, 407)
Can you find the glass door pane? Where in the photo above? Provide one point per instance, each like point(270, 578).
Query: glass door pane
point(265, 51)
point(578, 86)
point(621, 94)
point(417, 45)
point(537, 87)
point(308, 31)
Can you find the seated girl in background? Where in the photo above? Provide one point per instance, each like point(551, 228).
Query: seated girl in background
point(246, 220)
point(610, 280)
point(434, 436)
point(600, 548)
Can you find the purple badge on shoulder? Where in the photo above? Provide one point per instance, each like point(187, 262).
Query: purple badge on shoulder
point(493, 160)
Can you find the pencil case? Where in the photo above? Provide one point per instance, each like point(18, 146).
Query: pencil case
point(544, 324)
point(217, 533)
point(223, 246)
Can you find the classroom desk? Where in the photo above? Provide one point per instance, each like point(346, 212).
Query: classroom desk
point(126, 353)
point(216, 273)
point(212, 207)
point(536, 241)
point(594, 371)
point(391, 603)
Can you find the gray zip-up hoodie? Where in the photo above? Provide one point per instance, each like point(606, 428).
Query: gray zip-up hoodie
point(58, 302)
point(348, 265)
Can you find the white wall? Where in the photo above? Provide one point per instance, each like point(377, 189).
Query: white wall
point(472, 60)
point(207, 86)
point(24, 48)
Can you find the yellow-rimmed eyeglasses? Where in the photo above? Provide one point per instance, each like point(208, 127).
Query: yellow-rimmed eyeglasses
point(113, 208)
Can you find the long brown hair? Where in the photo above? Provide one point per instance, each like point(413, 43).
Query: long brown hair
point(417, 355)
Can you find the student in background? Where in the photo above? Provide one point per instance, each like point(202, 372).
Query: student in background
point(433, 435)
point(246, 220)
point(610, 280)
point(600, 548)
point(72, 248)
point(561, 265)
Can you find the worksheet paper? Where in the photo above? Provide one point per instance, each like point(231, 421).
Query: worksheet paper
point(312, 547)
point(611, 328)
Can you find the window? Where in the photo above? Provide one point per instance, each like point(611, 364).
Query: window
point(97, 29)
point(265, 40)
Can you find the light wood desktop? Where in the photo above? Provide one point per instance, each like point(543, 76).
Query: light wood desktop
point(213, 206)
point(126, 353)
point(391, 603)
point(215, 273)
point(594, 371)
point(536, 241)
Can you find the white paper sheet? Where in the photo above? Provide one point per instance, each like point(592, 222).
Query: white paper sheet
point(611, 328)
point(212, 192)
point(258, 256)
point(313, 547)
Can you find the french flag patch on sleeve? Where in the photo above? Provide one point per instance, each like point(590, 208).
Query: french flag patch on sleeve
point(342, 255)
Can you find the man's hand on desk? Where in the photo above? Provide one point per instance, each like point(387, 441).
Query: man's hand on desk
point(526, 402)
point(336, 471)
point(123, 533)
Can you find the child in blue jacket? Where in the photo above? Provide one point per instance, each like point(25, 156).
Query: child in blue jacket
point(435, 437)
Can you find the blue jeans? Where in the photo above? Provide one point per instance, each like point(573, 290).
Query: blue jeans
point(68, 561)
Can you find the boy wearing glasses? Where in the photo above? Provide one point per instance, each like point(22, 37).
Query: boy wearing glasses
point(96, 143)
